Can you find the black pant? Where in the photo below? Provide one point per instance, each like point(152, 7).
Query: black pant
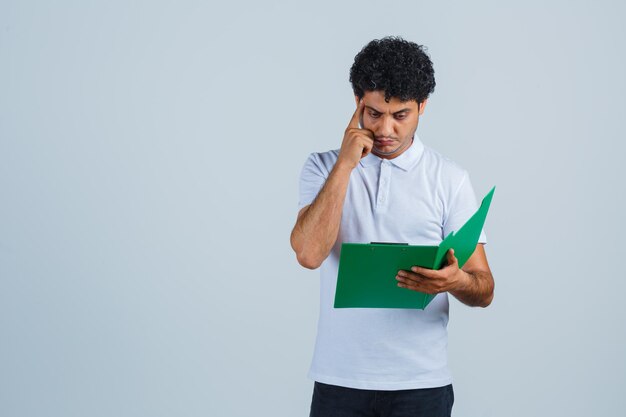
point(334, 401)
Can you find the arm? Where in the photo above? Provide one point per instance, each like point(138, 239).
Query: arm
point(317, 226)
point(472, 285)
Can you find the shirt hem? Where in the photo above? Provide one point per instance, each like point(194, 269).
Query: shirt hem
point(380, 385)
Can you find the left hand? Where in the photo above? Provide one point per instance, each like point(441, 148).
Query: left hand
point(432, 281)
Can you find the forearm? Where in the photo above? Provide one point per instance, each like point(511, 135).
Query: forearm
point(317, 227)
point(476, 289)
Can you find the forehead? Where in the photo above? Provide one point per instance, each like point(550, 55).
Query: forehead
point(376, 100)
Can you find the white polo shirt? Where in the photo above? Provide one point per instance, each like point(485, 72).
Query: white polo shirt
point(417, 198)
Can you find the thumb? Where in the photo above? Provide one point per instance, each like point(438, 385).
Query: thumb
point(451, 258)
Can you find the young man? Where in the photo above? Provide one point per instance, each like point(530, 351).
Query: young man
point(385, 185)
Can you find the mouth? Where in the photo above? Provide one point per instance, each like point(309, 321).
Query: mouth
point(384, 142)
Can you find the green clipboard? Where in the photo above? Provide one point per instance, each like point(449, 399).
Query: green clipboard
point(367, 271)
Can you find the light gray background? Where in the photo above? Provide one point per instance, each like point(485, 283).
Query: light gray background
point(149, 159)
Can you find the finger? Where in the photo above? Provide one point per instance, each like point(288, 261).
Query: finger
point(415, 285)
point(409, 276)
point(410, 285)
point(368, 145)
point(354, 122)
point(406, 281)
point(451, 258)
point(425, 272)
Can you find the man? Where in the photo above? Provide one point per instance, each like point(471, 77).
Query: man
point(385, 185)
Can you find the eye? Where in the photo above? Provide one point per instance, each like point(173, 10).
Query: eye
point(375, 115)
point(401, 116)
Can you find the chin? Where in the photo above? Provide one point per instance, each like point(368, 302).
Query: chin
point(389, 148)
point(386, 148)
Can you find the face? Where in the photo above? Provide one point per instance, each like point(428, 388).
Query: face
point(393, 123)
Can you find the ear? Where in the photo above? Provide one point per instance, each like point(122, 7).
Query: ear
point(421, 106)
point(356, 99)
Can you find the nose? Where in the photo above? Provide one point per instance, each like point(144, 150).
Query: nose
point(386, 127)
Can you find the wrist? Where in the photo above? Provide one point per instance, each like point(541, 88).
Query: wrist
point(463, 281)
point(343, 167)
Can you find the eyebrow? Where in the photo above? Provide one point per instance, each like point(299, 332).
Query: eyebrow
point(405, 110)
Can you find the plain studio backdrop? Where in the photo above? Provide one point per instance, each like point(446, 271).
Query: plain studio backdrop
point(149, 162)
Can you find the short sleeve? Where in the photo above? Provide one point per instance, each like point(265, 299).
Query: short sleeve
point(462, 206)
point(312, 179)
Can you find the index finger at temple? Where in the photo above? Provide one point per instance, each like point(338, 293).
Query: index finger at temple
point(354, 122)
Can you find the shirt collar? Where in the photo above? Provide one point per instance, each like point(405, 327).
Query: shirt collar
point(406, 159)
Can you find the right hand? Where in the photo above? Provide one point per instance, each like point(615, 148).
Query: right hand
point(357, 142)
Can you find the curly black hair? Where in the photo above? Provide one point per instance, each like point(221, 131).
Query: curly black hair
point(400, 68)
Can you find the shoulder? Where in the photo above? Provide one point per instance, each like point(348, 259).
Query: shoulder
point(443, 169)
point(447, 179)
point(322, 161)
